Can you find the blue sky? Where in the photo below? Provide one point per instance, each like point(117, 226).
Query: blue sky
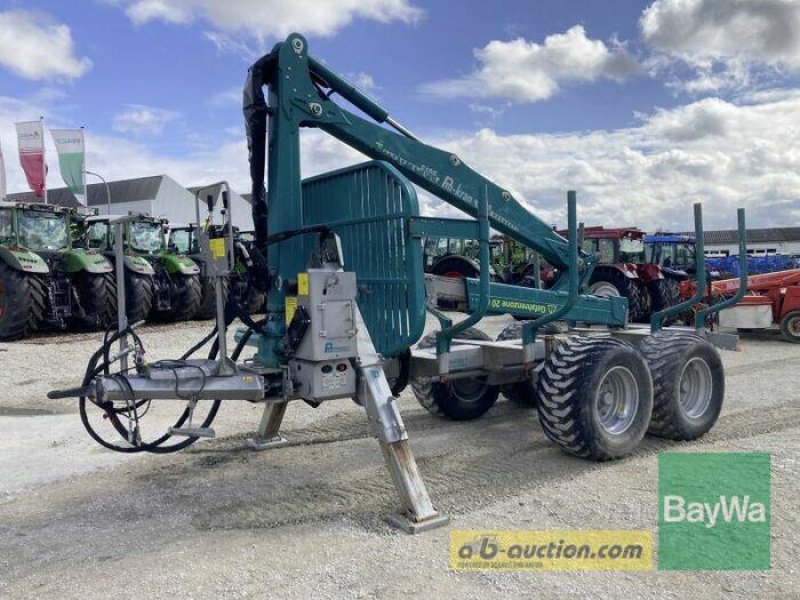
point(642, 106)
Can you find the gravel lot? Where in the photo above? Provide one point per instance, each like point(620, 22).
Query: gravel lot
point(305, 521)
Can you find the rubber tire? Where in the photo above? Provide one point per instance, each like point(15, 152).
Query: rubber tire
point(786, 328)
point(663, 294)
point(632, 289)
point(523, 393)
point(138, 296)
point(567, 386)
point(208, 298)
point(23, 301)
point(97, 294)
point(666, 354)
point(453, 264)
point(186, 296)
point(399, 383)
point(440, 398)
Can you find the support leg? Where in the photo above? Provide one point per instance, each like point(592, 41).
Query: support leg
point(268, 434)
point(417, 512)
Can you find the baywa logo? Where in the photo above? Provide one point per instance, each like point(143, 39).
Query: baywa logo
point(729, 509)
point(714, 511)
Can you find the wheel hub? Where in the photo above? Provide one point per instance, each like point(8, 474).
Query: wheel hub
point(468, 389)
point(617, 400)
point(604, 289)
point(794, 324)
point(696, 387)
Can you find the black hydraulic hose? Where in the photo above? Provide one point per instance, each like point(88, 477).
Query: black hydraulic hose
point(157, 446)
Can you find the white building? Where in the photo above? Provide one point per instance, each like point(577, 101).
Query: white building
point(760, 242)
point(158, 195)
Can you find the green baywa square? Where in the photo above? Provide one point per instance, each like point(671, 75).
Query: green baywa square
point(714, 511)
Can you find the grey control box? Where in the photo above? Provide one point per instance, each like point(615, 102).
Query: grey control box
point(323, 380)
point(329, 299)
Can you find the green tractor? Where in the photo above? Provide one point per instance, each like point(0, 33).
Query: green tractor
point(184, 239)
point(159, 284)
point(44, 280)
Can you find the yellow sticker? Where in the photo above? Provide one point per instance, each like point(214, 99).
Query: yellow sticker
point(546, 550)
point(217, 247)
point(302, 284)
point(291, 306)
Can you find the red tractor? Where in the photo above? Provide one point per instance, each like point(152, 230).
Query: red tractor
point(623, 270)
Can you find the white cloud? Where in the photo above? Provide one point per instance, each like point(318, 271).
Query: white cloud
point(724, 43)
point(363, 81)
point(35, 47)
point(138, 118)
point(229, 44)
point(261, 19)
point(722, 153)
point(227, 98)
point(524, 71)
point(484, 109)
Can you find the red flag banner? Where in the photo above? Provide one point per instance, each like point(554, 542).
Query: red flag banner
point(30, 138)
point(2, 175)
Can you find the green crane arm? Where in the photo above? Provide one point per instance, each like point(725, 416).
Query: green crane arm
point(297, 84)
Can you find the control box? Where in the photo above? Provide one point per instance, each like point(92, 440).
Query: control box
point(319, 381)
point(320, 368)
point(329, 299)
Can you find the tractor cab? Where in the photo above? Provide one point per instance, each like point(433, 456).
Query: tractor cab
point(144, 237)
point(614, 246)
point(672, 251)
point(40, 228)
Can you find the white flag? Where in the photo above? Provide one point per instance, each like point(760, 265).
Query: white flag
point(70, 148)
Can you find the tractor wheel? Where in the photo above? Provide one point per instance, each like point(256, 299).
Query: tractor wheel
point(610, 283)
point(459, 399)
point(399, 383)
point(595, 397)
point(688, 384)
point(454, 267)
point(790, 327)
point(208, 298)
point(97, 293)
point(523, 393)
point(663, 293)
point(138, 296)
point(22, 303)
point(186, 296)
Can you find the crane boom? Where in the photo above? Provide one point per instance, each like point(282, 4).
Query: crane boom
point(297, 99)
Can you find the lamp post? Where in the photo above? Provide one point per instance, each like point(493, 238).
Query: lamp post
point(108, 191)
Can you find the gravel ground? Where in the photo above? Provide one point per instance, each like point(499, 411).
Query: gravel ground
point(305, 521)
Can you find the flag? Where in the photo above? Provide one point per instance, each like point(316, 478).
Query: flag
point(72, 160)
point(3, 189)
point(30, 139)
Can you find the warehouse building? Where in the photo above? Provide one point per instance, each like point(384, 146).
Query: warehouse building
point(158, 195)
point(784, 241)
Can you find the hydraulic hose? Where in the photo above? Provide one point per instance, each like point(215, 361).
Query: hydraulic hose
point(111, 413)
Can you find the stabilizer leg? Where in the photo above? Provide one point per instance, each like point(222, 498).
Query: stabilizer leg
point(268, 434)
point(417, 512)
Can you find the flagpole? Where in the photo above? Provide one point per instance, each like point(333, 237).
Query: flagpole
point(85, 186)
point(44, 162)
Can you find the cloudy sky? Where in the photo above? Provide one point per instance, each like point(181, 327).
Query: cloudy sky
point(643, 107)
